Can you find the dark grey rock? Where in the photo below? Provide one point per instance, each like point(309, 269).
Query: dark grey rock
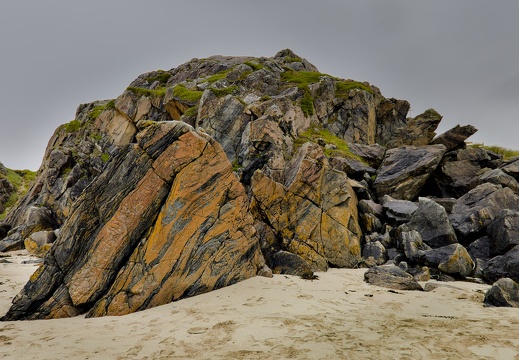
point(354, 168)
point(506, 265)
point(283, 262)
point(372, 154)
point(504, 293)
point(432, 222)
point(498, 177)
point(455, 137)
point(399, 211)
point(504, 232)
point(391, 277)
point(404, 171)
point(480, 248)
point(454, 178)
point(374, 253)
point(391, 116)
point(475, 210)
point(512, 168)
point(413, 245)
point(450, 259)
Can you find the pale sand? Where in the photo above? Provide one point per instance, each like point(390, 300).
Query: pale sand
point(338, 316)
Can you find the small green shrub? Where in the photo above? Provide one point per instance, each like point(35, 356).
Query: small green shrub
point(313, 133)
point(162, 77)
point(111, 104)
point(180, 91)
point(290, 59)
point(307, 105)
point(218, 76)
point(343, 87)
point(224, 91)
point(96, 111)
point(192, 111)
point(72, 126)
point(253, 65)
point(96, 137)
point(155, 93)
point(105, 157)
point(303, 78)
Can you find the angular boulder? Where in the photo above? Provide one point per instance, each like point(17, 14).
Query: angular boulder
point(391, 277)
point(431, 221)
point(405, 170)
point(503, 293)
point(474, 211)
point(168, 219)
point(454, 137)
point(504, 232)
point(501, 266)
point(451, 259)
point(314, 212)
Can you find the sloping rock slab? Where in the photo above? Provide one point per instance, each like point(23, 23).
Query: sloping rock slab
point(167, 219)
point(475, 210)
point(504, 293)
point(391, 277)
point(405, 170)
point(455, 137)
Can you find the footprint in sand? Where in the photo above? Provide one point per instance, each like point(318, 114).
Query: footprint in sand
point(255, 301)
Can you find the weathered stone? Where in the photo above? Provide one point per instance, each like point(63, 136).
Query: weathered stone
point(455, 137)
point(498, 177)
point(503, 293)
point(451, 259)
point(374, 253)
point(413, 245)
point(512, 168)
point(480, 248)
point(405, 170)
point(39, 243)
point(391, 115)
point(432, 222)
point(475, 210)
point(314, 211)
point(354, 168)
point(283, 262)
point(398, 211)
point(504, 232)
point(418, 131)
point(454, 178)
point(391, 277)
point(173, 197)
point(373, 154)
point(506, 265)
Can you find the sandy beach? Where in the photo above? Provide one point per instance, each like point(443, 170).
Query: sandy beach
point(338, 316)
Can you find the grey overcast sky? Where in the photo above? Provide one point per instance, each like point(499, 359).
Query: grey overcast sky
point(460, 57)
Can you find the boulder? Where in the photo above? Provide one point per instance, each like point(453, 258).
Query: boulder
point(391, 115)
point(432, 223)
point(498, 177)
point(512, 168)
point(450, 259)
point(314, 211)
point(404, 171)
point(504, 232)
point(454, 178)
point(503, 293)
point(475, 210)
point(39, 243)
point(372, 154)
point(354, 168)
point(283, 262)
point(166, 220)
point(398, 211)
point(391, 277)
point(480, 248)
point(374, 253)
point(411, 242)
point(506, 265)
point(455, 137)
point(417, 131)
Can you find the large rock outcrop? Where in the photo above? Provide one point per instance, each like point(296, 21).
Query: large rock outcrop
point(167, 219)
point(314, 213)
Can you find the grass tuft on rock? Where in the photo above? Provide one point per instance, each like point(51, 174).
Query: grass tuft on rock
point(184, 94)
point(314, 133)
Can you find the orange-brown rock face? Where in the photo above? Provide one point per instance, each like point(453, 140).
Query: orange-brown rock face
point(168, 219)
point(315, 211)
